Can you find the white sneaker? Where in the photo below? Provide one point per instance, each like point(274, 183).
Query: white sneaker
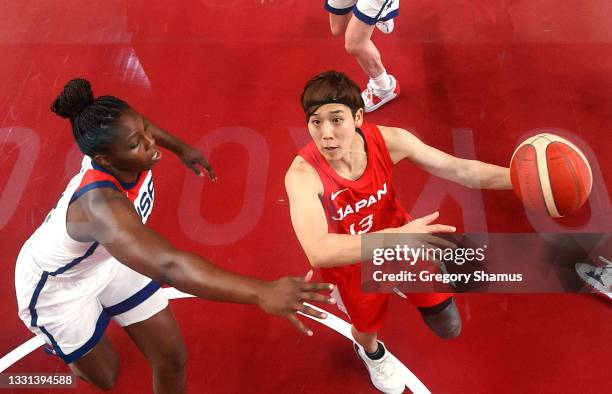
point(385, 26)
point(384, 373)
point(599, 278)
point(375, 98)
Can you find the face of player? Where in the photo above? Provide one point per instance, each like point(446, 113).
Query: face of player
point(134, 149)
point(332, 127)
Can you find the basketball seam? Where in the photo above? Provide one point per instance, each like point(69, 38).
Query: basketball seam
point(574, 174)
point(549, 209)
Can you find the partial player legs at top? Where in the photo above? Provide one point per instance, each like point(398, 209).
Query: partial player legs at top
point(358, 28)
point(357, 42)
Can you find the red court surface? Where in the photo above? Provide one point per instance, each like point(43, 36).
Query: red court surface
point(477, 78)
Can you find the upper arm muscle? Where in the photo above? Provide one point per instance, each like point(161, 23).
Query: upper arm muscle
point(404, 145)
point(115, 224)
point(307, 214)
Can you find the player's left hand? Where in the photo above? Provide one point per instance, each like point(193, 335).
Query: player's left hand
point(285, 297)
point(194, 159)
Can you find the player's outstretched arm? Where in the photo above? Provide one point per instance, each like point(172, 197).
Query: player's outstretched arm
point(325, 249)
point(190, 156)
point(470, 173)
point(114, 223)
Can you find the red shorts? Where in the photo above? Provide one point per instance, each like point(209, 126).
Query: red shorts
point(367, 311)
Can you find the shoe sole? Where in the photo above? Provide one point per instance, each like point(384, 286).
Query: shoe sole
point(595, 288)
point(381, 103)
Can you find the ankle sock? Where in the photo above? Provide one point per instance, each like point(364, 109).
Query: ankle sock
point(381, 82)
point(378, 354)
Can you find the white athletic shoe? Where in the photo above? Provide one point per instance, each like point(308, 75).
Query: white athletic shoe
point(599, 278)
point(384, 373)
point(385, 26)
point(375, 98)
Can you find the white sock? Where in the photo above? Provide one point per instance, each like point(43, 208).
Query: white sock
point(381, 82)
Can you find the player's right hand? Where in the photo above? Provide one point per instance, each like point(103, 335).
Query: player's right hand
point(425, 225)
point(421, 231)
point(284, 297)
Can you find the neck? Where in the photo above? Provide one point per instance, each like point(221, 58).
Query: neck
point(354, 161)
point(124, 177)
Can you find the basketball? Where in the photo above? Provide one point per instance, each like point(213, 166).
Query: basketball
point(550, 175)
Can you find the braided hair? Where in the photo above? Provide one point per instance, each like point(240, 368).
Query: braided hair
point(93, 120)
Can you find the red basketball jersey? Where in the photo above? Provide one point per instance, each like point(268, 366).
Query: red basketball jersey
point(364, 205)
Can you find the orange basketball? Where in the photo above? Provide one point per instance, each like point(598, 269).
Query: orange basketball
point(550, 175)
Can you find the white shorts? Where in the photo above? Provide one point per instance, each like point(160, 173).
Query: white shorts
point(367, 11)
point(71, 314)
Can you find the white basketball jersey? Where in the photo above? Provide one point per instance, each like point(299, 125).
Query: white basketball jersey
point(52, 249)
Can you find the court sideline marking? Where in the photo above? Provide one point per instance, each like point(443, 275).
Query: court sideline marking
point(334, 322)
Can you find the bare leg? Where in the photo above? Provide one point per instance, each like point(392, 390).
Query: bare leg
point(159, 339)
point(358, 43)
point(366, 339)
point(338, 23)
point(99, 367)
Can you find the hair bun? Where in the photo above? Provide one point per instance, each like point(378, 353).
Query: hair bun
point(73, 99)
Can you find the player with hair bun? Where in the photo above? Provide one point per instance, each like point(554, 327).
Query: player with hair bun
point(93, 258)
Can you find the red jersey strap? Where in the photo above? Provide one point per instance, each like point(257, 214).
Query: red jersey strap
point(376, 142)
point(375, 146)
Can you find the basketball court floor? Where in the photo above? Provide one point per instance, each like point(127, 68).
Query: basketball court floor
point(477, 78)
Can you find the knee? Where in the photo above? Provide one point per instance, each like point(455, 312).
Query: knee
point(104, 380)
point(336, 30)
point(109, 381)
point(172, 359)
point(447, 330)
point(446, 324)
point(353, 47)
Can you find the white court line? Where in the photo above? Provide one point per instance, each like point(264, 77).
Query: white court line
point(334, 322)
point(342, 327)
point(20, 352)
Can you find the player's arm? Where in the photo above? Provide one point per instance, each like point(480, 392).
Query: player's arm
point(114, 223)
point(324, 249)
point(470, 173)
point(189, 155)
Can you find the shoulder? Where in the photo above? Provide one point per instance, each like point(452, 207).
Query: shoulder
point(301, 175)
point(392, 134)
point(400, 143)
point(101, 199)
point(94, 211)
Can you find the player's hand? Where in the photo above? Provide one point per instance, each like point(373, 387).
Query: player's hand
point(284, 297)
point(194, 159)
point(425, 225)
point(419, 232)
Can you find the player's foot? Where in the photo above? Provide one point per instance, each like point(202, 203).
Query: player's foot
point(384, 372)
point(598, 278)
point(385, 26)
point(375, 98)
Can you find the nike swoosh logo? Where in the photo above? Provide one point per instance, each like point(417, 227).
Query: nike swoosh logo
point(335, 194)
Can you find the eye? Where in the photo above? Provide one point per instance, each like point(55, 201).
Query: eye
point(338, 120)
point(316, 122)
point(135, 145)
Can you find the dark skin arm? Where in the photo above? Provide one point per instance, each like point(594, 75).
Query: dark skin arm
point(105, 215)
point(190, 156)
